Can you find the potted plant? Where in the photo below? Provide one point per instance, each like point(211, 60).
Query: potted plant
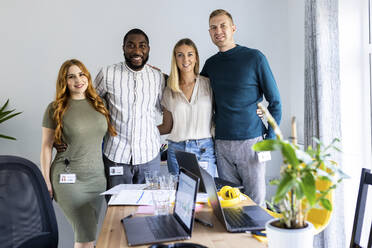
point(296, 192)
point(6, 115)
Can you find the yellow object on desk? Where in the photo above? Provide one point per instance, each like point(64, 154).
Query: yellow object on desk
point(229, 193)
point(230, 196)
point(260, 238)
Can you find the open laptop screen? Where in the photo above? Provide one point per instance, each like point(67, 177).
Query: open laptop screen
point(185, 197)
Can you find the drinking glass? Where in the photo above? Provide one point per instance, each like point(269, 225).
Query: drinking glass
point(152, 179)
point(161, 200)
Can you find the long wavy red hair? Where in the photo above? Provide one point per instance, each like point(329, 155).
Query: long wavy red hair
point(60, 104)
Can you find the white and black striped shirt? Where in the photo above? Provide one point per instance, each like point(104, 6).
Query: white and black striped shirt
point(133, 99)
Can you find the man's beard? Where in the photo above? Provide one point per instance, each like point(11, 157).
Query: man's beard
point(133, 66)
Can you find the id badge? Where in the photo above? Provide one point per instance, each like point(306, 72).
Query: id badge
point(203, 164)
point(67, 178)
point(116, 170)
point(264, 156)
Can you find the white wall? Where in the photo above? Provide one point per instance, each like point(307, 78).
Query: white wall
point(291, 85)
point(37, 36)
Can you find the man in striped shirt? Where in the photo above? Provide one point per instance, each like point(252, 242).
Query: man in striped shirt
point(133, 91)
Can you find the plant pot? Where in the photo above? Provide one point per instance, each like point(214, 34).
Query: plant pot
point(289, 238)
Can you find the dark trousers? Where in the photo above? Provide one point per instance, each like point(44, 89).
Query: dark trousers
point(132, 174)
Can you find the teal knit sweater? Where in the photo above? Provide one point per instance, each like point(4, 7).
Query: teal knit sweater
point(240, 77)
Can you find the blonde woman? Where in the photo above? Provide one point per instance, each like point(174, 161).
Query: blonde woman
point(187, 109)
point(78, 118)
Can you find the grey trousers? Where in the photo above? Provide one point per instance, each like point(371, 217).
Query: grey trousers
point(238, 163)
point(131, 173)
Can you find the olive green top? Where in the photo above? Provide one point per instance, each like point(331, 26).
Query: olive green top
point(83, 131)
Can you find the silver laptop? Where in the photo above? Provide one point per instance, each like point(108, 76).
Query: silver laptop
point(163, 228)
point(235, 219)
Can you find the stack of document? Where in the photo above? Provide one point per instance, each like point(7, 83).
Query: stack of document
point(136, 194)
point(133, 197)
point(116, 190)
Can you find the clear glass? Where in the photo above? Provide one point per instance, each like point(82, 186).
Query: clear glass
point(152, 179)
point(161, 200)
point(168, 181)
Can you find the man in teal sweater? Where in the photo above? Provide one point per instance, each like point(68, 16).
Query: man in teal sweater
point(240, 77)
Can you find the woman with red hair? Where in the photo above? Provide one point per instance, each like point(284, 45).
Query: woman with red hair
point(78, 118)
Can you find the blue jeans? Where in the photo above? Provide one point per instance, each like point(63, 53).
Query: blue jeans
point(202, 148)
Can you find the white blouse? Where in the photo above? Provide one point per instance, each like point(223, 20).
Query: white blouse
point(191, 120)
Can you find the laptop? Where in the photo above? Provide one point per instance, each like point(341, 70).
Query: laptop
point(171, 227)
point(190, 162)
point(235, 219)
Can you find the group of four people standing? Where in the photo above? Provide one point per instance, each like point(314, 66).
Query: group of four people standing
point(122, 109)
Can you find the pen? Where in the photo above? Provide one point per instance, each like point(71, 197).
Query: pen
point(126, 217)
point(258, 233)
point(140, 197)
point(203, 222)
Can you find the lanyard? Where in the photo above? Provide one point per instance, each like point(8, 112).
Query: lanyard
point(67, 163)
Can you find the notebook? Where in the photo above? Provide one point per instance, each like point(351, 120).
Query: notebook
point(190, 162)
point(163, 228)
point(235, 219)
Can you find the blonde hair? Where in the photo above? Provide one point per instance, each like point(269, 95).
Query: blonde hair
point(218, 12)
point(174, 78)
point(60, 103)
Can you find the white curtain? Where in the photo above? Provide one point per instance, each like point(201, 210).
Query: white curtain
point(322, 98)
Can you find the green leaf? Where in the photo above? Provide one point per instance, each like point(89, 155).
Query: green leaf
point(274, 182)
point(303, 156)
point(342, 174)
point(311, 152)
point(324, 175)
point(337, 149)
point(5, 113)
point(317, 141)
point(332, 145)
point(4, 106)
point(9, 117)
point(289, 153)
point(308, 187)
point(7, 137)
point(299, 190)
point(326, 204)
point(284, 187)
point(325, 178)
point(271, 207)
point(267, 145)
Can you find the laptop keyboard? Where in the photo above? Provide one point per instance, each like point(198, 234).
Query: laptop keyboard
point(236, 217)
point(163, 226)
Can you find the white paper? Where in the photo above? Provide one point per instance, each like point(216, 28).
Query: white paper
point(202, 198)
point(136, 197)
point(132, 197)
point(120, 187)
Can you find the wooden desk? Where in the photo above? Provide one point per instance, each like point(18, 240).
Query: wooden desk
point(112, 234)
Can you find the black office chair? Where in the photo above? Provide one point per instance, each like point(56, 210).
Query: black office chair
point(27, 217)
point(365, 181)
